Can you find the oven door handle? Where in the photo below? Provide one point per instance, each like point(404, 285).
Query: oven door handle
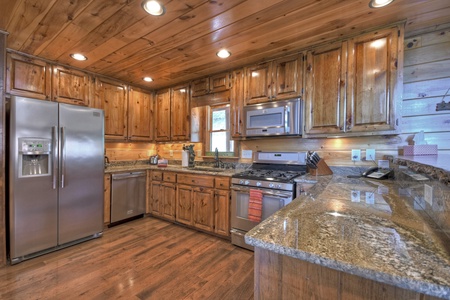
point(278, 194)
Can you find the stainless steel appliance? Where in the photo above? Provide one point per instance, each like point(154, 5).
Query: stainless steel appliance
point(272, 175)
point(127, 196)
point(274, 118)
point(55, 183)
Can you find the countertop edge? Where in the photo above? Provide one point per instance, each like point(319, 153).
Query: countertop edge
point(398, 281)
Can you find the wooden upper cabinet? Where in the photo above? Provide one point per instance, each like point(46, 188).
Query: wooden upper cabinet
point(213, 84)
point(219, 82)
point(180, 113)
point(258, 83)
point(70, 86)
point(111, 96)
point(237, 105)
point(374, 89)
point(276, 80)
point(162, 116)
point(140, 116)
point(287, 77)
point(355, 86)
point(325, 89)
point(200, 87)
point(28, 77)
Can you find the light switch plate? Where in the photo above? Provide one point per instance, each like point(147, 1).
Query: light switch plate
point(247, 153)
point(356, 196)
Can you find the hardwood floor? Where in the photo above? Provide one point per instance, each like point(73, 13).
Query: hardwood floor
point(143, 259)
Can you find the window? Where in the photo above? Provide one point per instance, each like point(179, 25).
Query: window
point(219, 130)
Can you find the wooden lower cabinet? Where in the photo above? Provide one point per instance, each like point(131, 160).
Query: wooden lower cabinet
point(203, 204)
point(199, 201)
point(107, 199)
point(279, 276)
point(184, 204)
point(162, 194)
point(222, 212)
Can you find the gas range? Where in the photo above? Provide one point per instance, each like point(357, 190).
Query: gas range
point(274, 170)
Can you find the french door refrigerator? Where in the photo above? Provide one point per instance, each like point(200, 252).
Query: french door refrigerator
point(56, 166)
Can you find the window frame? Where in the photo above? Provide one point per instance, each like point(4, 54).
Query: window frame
point(209, 131)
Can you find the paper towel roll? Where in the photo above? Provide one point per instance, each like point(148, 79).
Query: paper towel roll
point(185, 158)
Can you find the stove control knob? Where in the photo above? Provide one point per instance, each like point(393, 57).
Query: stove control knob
point(258, 183)
point(247, 182)
point(279, 186)
point(241, 181)
point(271, 185)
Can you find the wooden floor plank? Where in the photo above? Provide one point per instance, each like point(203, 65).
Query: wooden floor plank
point(143, 259)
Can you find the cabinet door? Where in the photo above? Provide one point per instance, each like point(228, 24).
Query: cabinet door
point(180, 112)
point(258, 83)
point(112, 98)
point(28, 77)
point(107, 199)
point(156, 195)
point(219, 82)
point(325, 89)
point(222, 212)
point(184, 204)
point(200, 87)
point(203, 202)
point(287, 77)
point(70, 86)
point(140, 117)
point(237, 105)
point(168, 200)
point(374, 81)
point(162, 116)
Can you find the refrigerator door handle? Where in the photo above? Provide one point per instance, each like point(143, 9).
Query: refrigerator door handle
point(54, 156)
point(63, 154)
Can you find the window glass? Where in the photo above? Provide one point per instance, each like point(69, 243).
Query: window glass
point(219, 130)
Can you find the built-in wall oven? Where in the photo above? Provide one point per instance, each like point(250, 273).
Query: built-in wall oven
point(263, 189)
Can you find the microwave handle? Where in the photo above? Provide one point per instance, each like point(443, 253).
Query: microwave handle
point(287, 112)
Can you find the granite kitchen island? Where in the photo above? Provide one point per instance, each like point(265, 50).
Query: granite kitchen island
point(352, 239)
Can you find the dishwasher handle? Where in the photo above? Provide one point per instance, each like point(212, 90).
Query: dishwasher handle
point(128, 175)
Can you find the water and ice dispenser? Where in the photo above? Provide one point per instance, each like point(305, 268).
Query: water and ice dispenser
point(34, 157)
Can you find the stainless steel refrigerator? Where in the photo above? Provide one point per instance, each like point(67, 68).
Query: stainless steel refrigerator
point(55, 180)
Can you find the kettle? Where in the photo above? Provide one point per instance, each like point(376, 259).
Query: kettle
point(154, 159)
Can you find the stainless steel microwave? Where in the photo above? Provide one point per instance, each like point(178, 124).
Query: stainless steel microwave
point(274, 118)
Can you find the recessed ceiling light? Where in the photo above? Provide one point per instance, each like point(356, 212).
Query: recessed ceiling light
point(379, 3)
point(147, 79)
point(153, 7)
point(78, 56)
point(223, 53)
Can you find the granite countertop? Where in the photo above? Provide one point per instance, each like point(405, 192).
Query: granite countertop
point(134, 167)
point(362, 227)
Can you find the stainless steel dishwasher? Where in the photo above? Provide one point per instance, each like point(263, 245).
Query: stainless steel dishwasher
point(127, 196)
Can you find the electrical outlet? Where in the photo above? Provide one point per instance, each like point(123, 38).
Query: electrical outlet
point(428, 194)
point(246, 153)
point(171, 153)
point(356, 155)
point(370, 154)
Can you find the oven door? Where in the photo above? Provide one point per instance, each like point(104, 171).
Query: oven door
point(272, 201)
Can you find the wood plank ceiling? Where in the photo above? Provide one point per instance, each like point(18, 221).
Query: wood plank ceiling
point(123, 42)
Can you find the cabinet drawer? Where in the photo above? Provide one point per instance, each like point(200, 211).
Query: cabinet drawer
point(205, 181)
point(222, 183)
point(170, 177)
point(157, 175)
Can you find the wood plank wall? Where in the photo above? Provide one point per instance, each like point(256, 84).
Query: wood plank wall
point(426, 80)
